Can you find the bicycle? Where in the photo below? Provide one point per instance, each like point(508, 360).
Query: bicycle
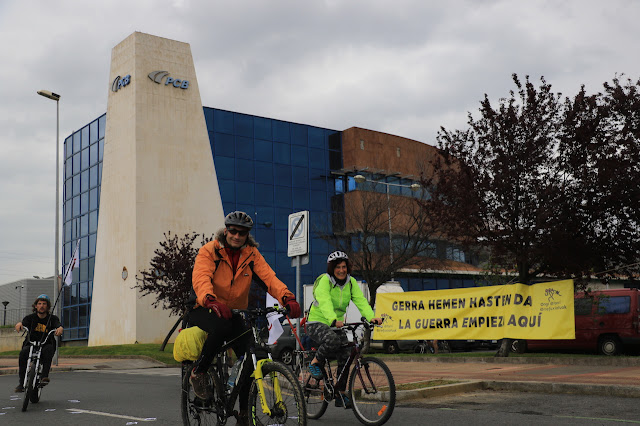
point(371, 389)
point(427, 346)
point(32, 385)
point(275, 396)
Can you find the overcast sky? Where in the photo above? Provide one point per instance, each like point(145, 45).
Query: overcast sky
point(404, 67)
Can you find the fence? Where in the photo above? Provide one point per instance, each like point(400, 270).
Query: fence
point(13, 316)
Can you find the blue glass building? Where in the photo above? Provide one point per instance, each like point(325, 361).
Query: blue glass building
point(268, 168)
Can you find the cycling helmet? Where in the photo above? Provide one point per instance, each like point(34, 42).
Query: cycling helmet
point(43, 297)
point(238, 218)
point(337, 255)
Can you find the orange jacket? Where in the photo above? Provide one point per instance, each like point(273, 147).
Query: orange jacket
point(229, 289)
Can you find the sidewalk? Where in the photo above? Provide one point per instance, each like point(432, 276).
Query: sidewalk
point(615, 376)
point(10, 365)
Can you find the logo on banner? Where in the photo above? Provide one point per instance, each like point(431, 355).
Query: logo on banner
point(158, 76)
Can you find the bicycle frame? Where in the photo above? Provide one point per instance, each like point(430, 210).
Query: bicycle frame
point(227, 398)
point(35, 352)
point(341, 378)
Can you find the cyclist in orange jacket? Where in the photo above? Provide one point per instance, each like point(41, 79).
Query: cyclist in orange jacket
point(222, 276)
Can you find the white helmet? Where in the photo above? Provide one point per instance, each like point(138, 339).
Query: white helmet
point(337, 255)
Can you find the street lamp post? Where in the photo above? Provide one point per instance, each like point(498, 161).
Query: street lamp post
point(414, 187)
point(4, 321)
point(19, 287)
point(56, 97)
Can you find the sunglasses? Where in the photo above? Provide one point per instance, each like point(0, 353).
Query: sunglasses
point(234, 231)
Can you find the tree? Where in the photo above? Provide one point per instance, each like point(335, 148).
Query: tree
point(536, 181)
point(169, 275)
point(600, 159)
point(368, 223)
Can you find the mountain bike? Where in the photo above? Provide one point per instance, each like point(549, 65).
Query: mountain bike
point(427, 346)
point(32, 385)
point(371, 387)
point(275, 396)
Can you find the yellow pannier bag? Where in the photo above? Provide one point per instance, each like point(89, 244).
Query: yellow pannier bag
point(188, 344)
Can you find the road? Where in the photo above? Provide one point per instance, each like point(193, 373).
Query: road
point(151, 396)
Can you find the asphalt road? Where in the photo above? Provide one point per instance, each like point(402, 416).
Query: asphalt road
point(151, 396)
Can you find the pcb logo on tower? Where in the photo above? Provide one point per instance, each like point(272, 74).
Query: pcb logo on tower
point(157, 76)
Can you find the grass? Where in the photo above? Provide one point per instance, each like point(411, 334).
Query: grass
point(150, 350)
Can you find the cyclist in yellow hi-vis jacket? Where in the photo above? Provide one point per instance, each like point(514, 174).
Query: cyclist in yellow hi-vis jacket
point(332, 292)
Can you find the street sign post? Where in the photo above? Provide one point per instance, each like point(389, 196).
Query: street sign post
point(298, 249)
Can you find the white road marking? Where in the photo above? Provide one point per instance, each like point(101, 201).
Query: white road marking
point(144, 371)
point(100, 413)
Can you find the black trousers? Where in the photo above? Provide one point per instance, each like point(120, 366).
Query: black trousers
point(220, 331)
point(45, 359)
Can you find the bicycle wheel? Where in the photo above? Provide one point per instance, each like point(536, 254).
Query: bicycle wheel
point(36, 392)
point(312, 390)
point(372, 391)
point(31, 374)
point(196, 411)
point(444, 347)
point(286, 405)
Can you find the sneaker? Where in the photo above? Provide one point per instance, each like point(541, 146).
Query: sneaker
point(200, 384)
point(343, 401)
point(242, 419)
point(316, 371)
point(19, 388)
point(44, 381)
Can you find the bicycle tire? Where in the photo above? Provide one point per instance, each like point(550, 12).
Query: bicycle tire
point(27, 392)
point(36, 392)
point(373, 407)
point(194, 410)
point(444, 347)
point(312, 391)
point(290, 411)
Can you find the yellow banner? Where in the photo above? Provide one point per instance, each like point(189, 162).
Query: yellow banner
point(518, 311)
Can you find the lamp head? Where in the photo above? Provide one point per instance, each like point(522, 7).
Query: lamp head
point(359, 178)
point(48, 94)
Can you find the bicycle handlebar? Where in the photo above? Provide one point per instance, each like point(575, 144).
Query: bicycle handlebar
point(260, 312)
point(27, 331)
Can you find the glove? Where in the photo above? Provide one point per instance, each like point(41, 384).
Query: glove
point(293, 307)
point(220, 309)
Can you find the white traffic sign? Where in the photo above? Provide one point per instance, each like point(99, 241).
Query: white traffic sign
point(298, 234)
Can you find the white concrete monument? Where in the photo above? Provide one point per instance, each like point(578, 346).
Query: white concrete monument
point(158, 176)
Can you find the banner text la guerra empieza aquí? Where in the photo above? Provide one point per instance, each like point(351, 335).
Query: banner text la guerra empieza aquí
point(516, 311)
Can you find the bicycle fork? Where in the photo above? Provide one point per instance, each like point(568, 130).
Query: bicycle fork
point(30, 361)
point(276, 387)
point(359, 367)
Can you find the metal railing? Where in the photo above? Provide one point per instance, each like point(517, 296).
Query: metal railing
point(13, 316)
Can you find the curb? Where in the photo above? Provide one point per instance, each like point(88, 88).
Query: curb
point(599, 361)
point(565, 388)
point(533, 387)
point(436, 391)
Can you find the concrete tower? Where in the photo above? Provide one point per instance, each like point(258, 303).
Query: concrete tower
point(158, 176)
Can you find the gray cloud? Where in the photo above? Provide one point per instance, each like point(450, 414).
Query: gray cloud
point(403, 67)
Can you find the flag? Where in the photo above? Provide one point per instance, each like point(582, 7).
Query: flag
point(68, 276)
point(275, 328)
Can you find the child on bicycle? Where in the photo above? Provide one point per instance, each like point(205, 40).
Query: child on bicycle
point(332, 292)
point(39, 323)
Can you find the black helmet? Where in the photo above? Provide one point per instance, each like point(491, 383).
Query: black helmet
point(238, 218)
